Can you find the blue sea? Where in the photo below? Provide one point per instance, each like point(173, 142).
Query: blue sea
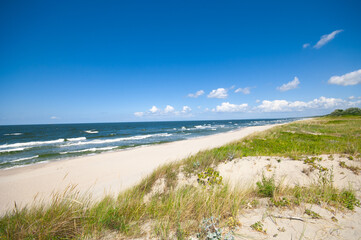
point(22, 145)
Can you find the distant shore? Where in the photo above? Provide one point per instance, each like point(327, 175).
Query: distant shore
point(101, 174)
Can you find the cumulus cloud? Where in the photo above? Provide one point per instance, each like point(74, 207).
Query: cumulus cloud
point(53, 117)
point(154, 109)
point(139, 114)
point(218, 93)
point(229, 107)
point(290, 85)
point(168, 109)
point(246, 90)
point(326, 38)
point(286, 106)
point(347, 79)
point(186, 109)
point(306, 45)
point(197, 94)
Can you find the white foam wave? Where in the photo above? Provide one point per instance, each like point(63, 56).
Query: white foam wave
point(23, 159)
point(26, 144)
point(76, 139)
point(139, 137)
point(91, 131)
point(204, 127)
point(12, 150)
point(91, 150)
point(13, 134)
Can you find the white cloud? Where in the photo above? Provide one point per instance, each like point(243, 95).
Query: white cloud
point(197, 94)
point(258, 101)
point(290, 85)
point(318, 103)
point(186, 109)
point(139, 114)
point(218, 93)
point(246, 90)
point(229, 107)
point(306, 45)
point(168, 109)
point(347, 79)
point(53, 117)
point(154, 109)
point(326, 38)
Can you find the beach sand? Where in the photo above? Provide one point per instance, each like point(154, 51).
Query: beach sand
point(106, 173)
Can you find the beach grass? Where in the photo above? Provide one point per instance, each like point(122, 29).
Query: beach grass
point(180, 212)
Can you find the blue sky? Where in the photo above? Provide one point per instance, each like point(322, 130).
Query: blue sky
point(110, 61)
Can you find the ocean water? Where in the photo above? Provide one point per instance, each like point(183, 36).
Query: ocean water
point(22, 145)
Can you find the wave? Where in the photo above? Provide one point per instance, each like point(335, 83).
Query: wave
point(91, 131)
point(26, 144)
point(76, 139)
point(12, 150)
point(23, 159)
point(139, 137)
point(90, 150)
point(205, 127)
point(13, 134)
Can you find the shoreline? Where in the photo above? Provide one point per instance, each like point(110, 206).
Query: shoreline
point(104, 173)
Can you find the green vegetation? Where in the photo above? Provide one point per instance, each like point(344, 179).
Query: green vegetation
point(180, 212)
point(258, 226)
point(354, 169)
point(347, 112)
point(312, 214)
point(266, 187)
point(210, 177)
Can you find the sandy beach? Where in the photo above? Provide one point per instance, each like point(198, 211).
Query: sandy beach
point(101, 174)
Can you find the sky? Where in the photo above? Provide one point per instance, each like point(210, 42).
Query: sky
point(115, 61)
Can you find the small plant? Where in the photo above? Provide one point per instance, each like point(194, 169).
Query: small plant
point(283, 202)
point(196, 164)
point(349, 200)
point(312, 214)
point(210, 177)
point(350, 158)
point(232, 223)
point(231, 156)
point(258, 226)
point(254, 203)
point(309, 161)
point(354, 169)
point(211, 231)
point(325, 178)
point(266, 187)
point(279, 160)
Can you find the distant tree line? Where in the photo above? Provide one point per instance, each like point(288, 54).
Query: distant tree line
point(348, 112)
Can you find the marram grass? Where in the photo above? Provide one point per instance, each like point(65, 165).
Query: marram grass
point(179, 212)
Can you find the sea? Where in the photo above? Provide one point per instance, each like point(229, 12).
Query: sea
point(22, 145)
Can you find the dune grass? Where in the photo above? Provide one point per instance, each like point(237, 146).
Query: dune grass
point(179, 212)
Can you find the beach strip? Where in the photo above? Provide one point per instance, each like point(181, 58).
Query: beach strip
point(101, 174)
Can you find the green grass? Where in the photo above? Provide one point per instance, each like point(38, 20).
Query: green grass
point(179, 212)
